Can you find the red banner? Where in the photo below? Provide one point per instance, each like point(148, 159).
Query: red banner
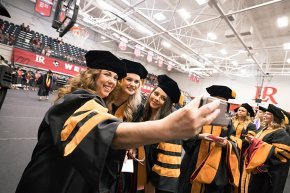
point(34, 60)
point(43, 7)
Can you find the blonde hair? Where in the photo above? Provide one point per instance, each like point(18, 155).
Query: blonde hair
point(247, 121)
point(133, 101)
point(276, 123)
point(132, 105)
point(85, 80)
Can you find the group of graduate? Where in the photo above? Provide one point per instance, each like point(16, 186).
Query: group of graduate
point(99, 137)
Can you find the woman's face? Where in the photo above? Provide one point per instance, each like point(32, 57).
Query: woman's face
point(268, 117)
point(261, 114)
point(106, 82)
point(157, 98)
point(242, 112)
point(130, 84)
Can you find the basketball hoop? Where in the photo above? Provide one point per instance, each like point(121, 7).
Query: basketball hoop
point(80, 33)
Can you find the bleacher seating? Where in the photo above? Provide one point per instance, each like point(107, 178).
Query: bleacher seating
point(23, 40)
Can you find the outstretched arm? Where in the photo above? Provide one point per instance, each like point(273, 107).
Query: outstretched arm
point(183, 123)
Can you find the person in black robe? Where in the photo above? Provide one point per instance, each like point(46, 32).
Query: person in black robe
point(81, 146)
point(125, 103)
point(267, 158)
point(45, 83)
point(208, 165)
point(158, 167)
point(5, 79)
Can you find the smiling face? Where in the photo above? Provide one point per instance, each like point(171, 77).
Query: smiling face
point(268, 117)
point(106, 82)
point(157, 98)
point(130, 84)
point(261, 114)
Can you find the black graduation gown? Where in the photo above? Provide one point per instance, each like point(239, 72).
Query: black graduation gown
point(267, 170)
point(127, 182)
point(43, 88)
point(73, 153)
point(163, 164)
point(208, 168)
point(238, 135)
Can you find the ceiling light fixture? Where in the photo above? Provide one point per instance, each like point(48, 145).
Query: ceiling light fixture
point(184, 14)
point(126, 2)
point(211, 36)
point(288, 60)
point(224, 52)
point(159, 16)
point(116, 35)
point(201, 2)
point(242, 51)
point(143, 29)
point(235, 63)
point(243, 71)
point(286, 46)
point(184, 56)
point(282, 22)
point(103, 37)
point(104, 5)
point(166, 44)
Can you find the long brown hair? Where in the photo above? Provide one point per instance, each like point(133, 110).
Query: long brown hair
point(162, 112)
point(85, 80)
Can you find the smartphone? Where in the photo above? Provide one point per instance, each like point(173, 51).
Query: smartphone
point(216, 139)
point(224, 117)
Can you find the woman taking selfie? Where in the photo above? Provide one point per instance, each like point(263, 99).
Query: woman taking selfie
point(77, 136)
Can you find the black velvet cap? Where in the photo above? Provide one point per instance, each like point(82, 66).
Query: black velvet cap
point(262, 109)
point(105, 60)
point(170, 87)
point(249, 109)
point(278, 112)
point(3, 11)
point(275, 111)
point(135, 68)
point(221, 91)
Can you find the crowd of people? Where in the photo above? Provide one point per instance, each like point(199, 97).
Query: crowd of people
point(6, 38)
point(33, 79)
point(40, 47)
point(100, 136)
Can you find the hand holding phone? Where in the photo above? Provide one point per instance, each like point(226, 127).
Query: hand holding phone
point(224, 117)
